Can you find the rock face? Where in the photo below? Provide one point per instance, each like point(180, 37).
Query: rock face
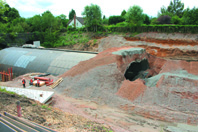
point(131, 79)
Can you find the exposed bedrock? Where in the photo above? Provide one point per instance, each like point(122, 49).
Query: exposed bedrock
point(131, 79)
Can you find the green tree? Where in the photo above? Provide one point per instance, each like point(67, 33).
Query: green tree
point(123, 13)
point(92, 17)
point(3, 8)
point(190, 16)
point(104, 17)
point(105, 21)
point(176, 20)
point(71, 14)
point(134, 15)
point(20, 25)
point(36, 23)
point(49, 22)
point(176, 8)
point(63, 19)
point(115, 19)
point(154, 21)
point(147, 20)
point(13, 14)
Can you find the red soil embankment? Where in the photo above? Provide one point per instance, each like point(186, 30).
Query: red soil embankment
point(104, 58)
point(167, 42)
point(168, 52)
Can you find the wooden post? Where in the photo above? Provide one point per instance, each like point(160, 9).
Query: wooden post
point(6, 77)
point(11, 74)
point(18, 109)
point(3, 76)
point(9, 79)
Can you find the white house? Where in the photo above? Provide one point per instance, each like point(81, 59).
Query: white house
point(78, 22)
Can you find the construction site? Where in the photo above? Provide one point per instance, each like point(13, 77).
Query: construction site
point(145, 83)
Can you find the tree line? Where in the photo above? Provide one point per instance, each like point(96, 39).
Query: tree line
point(49, 27)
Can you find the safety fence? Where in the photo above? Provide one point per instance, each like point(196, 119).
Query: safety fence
point(6, 76)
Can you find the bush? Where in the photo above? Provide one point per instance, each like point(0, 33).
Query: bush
point(156, 28)
point(115, 19)
point(122, 24)
point(164, 19)
point(105, 21)
point(176, 20)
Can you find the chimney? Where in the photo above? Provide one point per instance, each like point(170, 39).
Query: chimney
point(74, 20)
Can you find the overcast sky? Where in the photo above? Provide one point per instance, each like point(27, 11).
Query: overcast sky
point(29, 8)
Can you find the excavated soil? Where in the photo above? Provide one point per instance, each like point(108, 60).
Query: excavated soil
point(166, 91)
point(162, 95)
point(171, 46)
point(49, 116)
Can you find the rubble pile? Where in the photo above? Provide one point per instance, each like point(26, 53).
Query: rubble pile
point(164, 90)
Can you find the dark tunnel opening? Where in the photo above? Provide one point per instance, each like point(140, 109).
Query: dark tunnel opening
point(2, 46)
point(29, 42)
point(136, 70)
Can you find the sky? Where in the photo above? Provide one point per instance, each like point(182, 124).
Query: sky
point(29, 8)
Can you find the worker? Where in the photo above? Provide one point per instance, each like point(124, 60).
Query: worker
point(23, 82)
point(31, 81)
point(38, 83)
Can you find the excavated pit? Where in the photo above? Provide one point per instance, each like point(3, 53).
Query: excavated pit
point(127, 76)
point(137, 70)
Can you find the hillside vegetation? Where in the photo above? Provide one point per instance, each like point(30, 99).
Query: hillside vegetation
point(50, 28)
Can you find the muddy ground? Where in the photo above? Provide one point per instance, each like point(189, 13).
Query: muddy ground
point(46, 115)
point(72, 114)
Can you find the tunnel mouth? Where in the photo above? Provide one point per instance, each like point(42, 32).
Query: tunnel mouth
point(30, 42)
point(2, 46)
point(137, 69)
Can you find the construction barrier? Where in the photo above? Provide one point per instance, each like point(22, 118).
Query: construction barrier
point(6, 76)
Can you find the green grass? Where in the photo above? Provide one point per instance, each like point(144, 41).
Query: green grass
point(71, 38)
point(34, 104)
point(45, 107)
point(3, 90)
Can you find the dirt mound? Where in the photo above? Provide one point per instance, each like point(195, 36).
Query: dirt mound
point(110, 42)
point(163, 85)
point(131, 90)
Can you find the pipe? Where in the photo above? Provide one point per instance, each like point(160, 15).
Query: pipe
point(42, 78)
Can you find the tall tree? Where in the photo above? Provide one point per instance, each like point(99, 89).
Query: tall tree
point(3, 9)
point(190, 16)
point(36, 22)
point(13, 14)
point(147, 20)
point(104, 17)
point(63, 19)
point(176, 8)
point(123, 13)
point(92, 16)
point(49, 22)
point(71, 14)
point(134, 15)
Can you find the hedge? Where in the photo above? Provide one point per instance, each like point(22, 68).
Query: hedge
point(156, 28)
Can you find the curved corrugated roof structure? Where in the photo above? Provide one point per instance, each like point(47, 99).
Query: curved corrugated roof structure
point(24, 60)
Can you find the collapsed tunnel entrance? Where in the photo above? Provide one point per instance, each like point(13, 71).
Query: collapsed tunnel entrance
point(29, 42)
point(136, 70)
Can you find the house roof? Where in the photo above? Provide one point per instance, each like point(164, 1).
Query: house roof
point(80, 19)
